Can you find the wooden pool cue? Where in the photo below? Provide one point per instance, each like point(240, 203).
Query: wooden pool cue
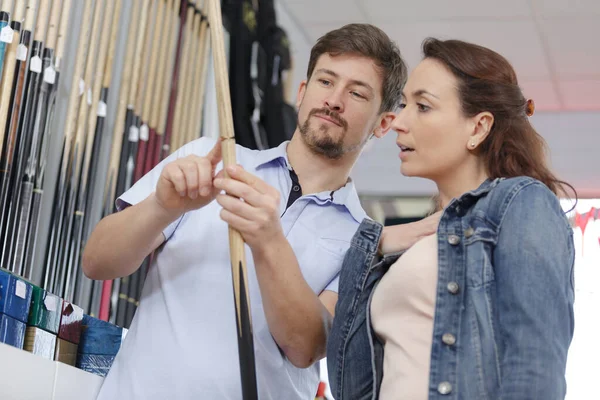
point(175, 81)
point(167, 66)
point(5, 10)
point(236, 242)
point(101, 302)
point(201, 90)
point(178, 136)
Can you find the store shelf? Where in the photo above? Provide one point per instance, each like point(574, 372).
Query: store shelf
point(28, 377)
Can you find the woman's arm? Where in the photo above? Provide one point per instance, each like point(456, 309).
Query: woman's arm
point(533, 263)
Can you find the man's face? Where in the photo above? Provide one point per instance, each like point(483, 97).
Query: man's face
point(338, 109)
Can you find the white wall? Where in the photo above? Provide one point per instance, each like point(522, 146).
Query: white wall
point(573, 140)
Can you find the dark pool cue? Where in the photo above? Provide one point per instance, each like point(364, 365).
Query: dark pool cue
point(175, 84)
point(102, 295)
point(75, 273)
point(236, 243)
point(79, 140)
point(120, 289)
point(53, 54)
point(52, 271)
point(88, 292)
point(20, 217)
point(126, 304)
point(12, 142)
point(8, 76)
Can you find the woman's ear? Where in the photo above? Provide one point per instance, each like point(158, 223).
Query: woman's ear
point(482, 126)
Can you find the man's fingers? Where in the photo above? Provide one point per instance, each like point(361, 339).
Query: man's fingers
point(239, 189)
point(235, 221)
point(177, 178)
point(215, 154)
point(204, 177)
point(240, 174)
point(191, 178)
point(237, 207)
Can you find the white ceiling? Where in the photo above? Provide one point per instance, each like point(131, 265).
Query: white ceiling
point(553, 44)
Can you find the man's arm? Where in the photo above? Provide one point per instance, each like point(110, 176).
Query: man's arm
point(121, 241)
point(298, 320)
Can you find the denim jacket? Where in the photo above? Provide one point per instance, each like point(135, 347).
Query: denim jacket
point(503, 319)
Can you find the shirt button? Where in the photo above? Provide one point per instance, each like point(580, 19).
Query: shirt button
point(469, 232)
point(296, 188)
point(449, 339)
point(444, 388)
point(453, 287)
point(453, 240)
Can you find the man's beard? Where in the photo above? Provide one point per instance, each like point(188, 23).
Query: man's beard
point(317, 138)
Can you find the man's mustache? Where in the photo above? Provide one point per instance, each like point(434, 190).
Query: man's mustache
point(331, 114)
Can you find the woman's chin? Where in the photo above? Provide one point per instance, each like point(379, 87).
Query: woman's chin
point(406, 170)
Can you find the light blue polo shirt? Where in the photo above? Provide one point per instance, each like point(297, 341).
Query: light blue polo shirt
point(182, 343)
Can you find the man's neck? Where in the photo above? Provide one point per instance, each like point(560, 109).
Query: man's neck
point(317, 173)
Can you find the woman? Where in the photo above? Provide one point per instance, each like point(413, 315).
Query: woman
point(482, 309)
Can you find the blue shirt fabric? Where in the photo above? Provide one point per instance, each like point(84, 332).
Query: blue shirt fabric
point(182, 343)
point(503, 321)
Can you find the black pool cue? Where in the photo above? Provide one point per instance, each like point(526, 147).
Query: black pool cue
point(21, 201)
point(53, 271)
point(12, 142)
point(75, 273)
point(53, 54)
point(78, 146)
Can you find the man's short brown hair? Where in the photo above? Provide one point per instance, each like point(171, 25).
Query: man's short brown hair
point(371, 42)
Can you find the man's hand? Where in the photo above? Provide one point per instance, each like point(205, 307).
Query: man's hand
point(187, 183)
point(402, 237)
point(251, 206)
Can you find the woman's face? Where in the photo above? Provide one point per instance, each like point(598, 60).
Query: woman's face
point(434, 136)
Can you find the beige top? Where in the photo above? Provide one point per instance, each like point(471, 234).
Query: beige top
point(402, 313)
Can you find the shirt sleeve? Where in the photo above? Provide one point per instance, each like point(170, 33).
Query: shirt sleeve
point(334, 285)
point(147, 184)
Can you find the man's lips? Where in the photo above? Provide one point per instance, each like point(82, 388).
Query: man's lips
point(326, 118)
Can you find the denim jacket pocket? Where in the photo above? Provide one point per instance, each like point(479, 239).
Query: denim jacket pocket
point(480, 238)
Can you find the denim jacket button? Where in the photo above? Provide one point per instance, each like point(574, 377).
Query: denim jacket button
point(449, 339)
point(445, 388)
point(469, 232)
point(453, 240)
point(453, 287)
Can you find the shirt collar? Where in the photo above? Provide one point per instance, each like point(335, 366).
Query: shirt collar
point(345, 196)
point(264, 157)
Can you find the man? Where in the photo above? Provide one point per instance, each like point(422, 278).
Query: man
point(297, 217)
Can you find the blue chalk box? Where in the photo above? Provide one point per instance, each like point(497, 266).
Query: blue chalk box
point(12, 331)
point(15, 297)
